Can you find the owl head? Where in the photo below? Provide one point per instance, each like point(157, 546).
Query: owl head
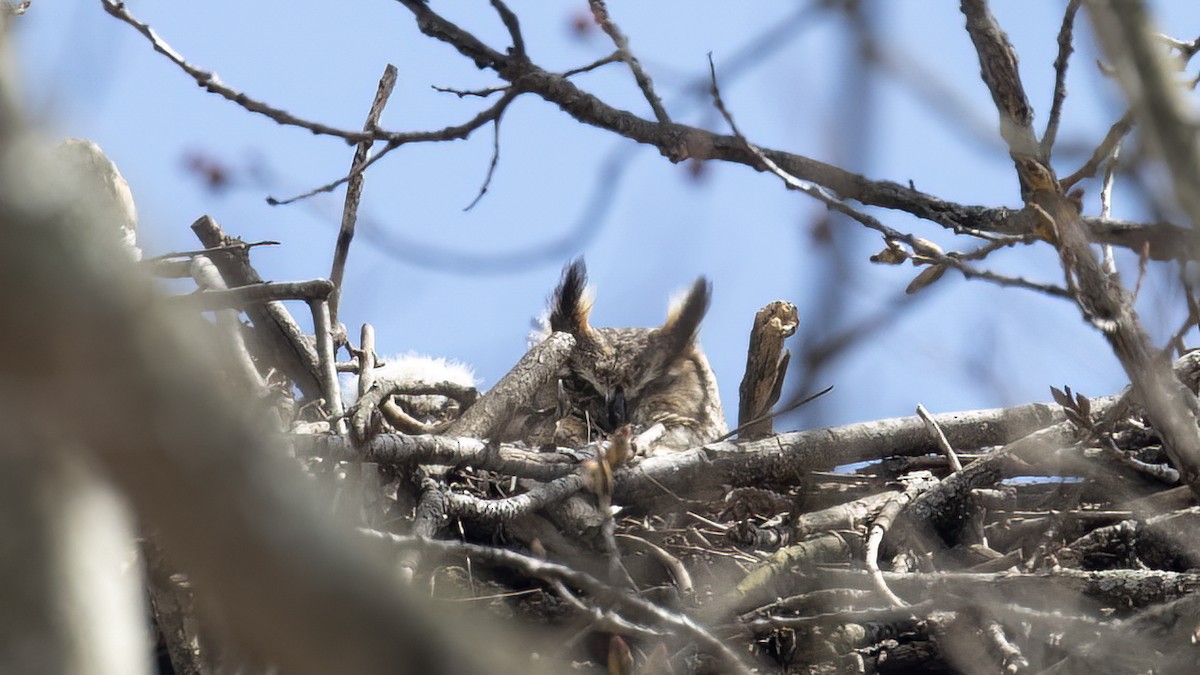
point(614, 371)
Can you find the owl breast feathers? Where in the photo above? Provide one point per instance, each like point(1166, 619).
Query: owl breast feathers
point(640, 376)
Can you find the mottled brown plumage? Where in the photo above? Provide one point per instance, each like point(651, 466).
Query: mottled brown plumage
point(640, 376)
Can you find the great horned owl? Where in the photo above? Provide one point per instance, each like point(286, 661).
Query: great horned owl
point(641, 376)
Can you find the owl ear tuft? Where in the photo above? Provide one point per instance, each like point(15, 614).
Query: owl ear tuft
point(683, 319)
point(570, 305)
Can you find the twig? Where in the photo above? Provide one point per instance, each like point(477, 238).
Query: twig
point(354, 190)
point(1109, 264)
point(994, 244)
point(485, 92)
point(323, 333)
point(1186, 49)
point(174, 610)
point(542, 569)
point(237, 246)
point(940, 437)
point(1159, 241)
point(1014, 661)
point(479, 120)
point(1065, 47)
point(611, 58)
point(683, 580)
point(1111, 141)
point(355, 171)
point(600, 11)
point(366, 359)
point(916, 484)
point(364, 365)
point(821, 194)
point(1162, 471)
point(754, 51)
point(679, 142)
point(379, 395)
point(428, 517)
point(509, 19)
point(487, 180)
point(772, 414)
point(1193, 317)
point(210, 82)
point(472, 93)
point(499, 511)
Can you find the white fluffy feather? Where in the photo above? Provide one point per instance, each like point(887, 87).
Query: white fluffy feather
point(412, 368)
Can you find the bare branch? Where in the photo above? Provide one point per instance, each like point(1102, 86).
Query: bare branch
point(600, 11)
point(1065, 47)
point(679, 142)
point(497, 511)
point(915, 485)
point(542, 569)
point(290, 350)
point(940, 437)
point(210, 82)
point(323, 333)
point(207, 276)
point(1112, 139)
point(1125, 32)
point(1170, 406)
point(939, 260)
point(513, 25)
point(1110, 265)
point(400, 450)
point(998, 66)
point(515, 389)
point(256, 294)
point(445, 134)
point(354, 190)
point(235, 246)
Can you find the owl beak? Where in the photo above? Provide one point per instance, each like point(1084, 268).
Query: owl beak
point(618, 411)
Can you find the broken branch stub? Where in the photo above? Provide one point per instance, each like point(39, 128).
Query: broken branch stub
point(765, 367)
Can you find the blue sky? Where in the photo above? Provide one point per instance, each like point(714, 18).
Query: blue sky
point(441, 281)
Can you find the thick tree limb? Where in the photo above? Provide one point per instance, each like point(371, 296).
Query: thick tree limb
point(516, 389)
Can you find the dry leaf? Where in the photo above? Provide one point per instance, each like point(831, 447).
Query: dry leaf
point(926, 277)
